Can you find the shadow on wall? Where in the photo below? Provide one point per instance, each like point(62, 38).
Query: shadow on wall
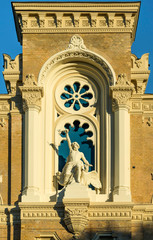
point(111, 230)
point(96, 230)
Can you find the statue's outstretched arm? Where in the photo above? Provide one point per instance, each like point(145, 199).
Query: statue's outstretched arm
point(85, 160)
point(68, 139)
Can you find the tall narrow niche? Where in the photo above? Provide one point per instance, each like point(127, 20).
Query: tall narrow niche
point(76, 101)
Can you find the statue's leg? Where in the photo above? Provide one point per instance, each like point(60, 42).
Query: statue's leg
point(66, 178)
point(67, 173)
point(78, 173)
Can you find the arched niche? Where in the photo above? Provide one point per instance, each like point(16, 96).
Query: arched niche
point(75, 65)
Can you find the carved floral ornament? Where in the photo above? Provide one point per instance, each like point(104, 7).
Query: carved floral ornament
point(76, 49)
point(31, 93)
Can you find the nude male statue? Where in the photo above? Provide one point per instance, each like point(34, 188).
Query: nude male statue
point(74, 165)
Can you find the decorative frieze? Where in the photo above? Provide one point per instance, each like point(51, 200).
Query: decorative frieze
point(114, 23)
point(136, 105)
point(76, 211)
point(111, 214)
point(41, 215)
point(27, 22)
point(141, 106)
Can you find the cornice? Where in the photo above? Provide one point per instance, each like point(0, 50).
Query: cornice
point(95, 211)
point(75, 4)
point(44, 17)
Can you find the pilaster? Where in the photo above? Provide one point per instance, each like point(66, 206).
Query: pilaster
point(121, 94)
point(31, 95)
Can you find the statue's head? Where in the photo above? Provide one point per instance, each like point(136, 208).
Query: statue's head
point(75, 146)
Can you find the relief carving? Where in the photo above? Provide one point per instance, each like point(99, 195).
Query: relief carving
point(138, 63)
point(121, 97)
point(31, 93)
point(121, 92)
point(12, 64)
point(148, 120)
point(30, 80)
point(76, 42)
point(111, 22)
point(122, 80)
point(24, 23)
point(42, 23)
point(93, 22)
point(59, 22)
point(2, 122)
point(76, 22)
point(31, 98)
point(128, 23)
point(76, 219)
point(120, 23)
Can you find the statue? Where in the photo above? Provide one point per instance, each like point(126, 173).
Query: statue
point(76, 168)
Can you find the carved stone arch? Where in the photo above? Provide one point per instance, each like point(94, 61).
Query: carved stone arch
point(76, 63)
point(76, 52)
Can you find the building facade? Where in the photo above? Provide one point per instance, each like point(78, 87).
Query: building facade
point(76, 73)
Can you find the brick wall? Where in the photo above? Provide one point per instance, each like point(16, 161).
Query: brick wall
point(115, 48)
point(141, 160)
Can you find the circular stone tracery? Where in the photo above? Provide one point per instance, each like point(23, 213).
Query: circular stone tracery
point(75, 96)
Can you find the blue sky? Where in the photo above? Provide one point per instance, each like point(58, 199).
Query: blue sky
point(143, 42)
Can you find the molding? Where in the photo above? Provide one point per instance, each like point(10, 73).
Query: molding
point(67, 17)
point(95, 211)
point(73, 5)
point(142, 104)
point(51, 236)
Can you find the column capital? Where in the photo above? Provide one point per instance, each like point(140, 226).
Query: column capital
point(121, 92)
point(31, 93)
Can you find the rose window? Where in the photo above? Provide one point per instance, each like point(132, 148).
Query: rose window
point(76, 96)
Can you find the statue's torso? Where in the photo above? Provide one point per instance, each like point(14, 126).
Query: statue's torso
point(74, 156)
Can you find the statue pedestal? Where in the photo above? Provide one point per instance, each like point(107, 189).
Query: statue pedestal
point(76, 201)
point(76, 191)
